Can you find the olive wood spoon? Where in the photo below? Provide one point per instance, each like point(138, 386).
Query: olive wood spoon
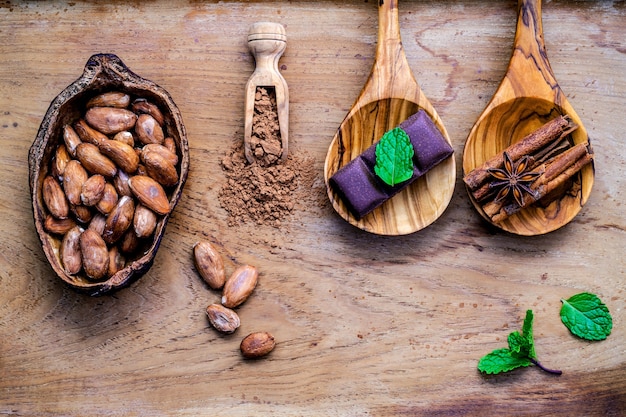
point(390, 95)
point(527, 97)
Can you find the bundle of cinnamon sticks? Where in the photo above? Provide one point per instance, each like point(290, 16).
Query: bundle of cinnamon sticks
point(551, 152)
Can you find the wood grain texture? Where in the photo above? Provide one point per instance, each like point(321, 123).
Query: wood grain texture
point(364, 324)
point(528, 97)
point(390, 95)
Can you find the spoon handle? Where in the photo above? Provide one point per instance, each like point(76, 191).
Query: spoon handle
point(529, 73)
point(391, 76)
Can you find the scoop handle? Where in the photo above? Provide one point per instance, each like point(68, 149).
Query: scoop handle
point(267, 42)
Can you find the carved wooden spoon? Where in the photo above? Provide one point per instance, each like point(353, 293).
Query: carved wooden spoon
point(528, 97)
point(390, 95)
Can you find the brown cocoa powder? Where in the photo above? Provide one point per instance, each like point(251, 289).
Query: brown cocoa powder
point(265, 139)
point(268, 189)
point(264, 195)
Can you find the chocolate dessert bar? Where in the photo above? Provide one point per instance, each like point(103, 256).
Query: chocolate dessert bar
point(362, 190)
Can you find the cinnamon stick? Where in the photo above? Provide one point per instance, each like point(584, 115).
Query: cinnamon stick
point(554, 176)
point(555, 129)
point(550, 169)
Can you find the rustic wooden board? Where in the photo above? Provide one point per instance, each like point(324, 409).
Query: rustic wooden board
point(365, 324)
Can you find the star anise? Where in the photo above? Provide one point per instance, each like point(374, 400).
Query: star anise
point(513, 179)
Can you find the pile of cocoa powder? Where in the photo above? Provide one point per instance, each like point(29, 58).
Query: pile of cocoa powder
point(267, 190)
point(264, 195)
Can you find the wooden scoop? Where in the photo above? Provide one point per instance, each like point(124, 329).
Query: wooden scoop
point(390, 96)
point(528, 97)
point(267, 42)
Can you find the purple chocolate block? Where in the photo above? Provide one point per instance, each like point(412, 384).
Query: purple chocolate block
point(359, 187)
point(362, 190)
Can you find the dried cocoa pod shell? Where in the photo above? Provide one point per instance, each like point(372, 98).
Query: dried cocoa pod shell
point(257, 345)
point(223, 319)
point(102, 73)
point(54, 198)
point(110, 99)
point(239, 286)
point(110, 120)
point(209, 264)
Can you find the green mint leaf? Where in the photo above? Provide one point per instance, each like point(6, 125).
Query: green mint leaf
point(527, 331)
point(521, 352)
point(586, 316)
point(522, 344)
point(501, 360)
point(517, 344)
point(394, 157)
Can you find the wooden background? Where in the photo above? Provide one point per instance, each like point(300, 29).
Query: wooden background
point(365, 325)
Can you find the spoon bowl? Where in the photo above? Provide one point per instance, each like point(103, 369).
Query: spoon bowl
point(390, 95)
point(528, 97)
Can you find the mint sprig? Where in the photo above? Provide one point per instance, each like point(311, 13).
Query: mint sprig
point(586, 316)
point(394, 157)
point(520, 353)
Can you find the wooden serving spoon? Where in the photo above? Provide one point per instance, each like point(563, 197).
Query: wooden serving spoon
point(528, 97)
point(390, 95)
